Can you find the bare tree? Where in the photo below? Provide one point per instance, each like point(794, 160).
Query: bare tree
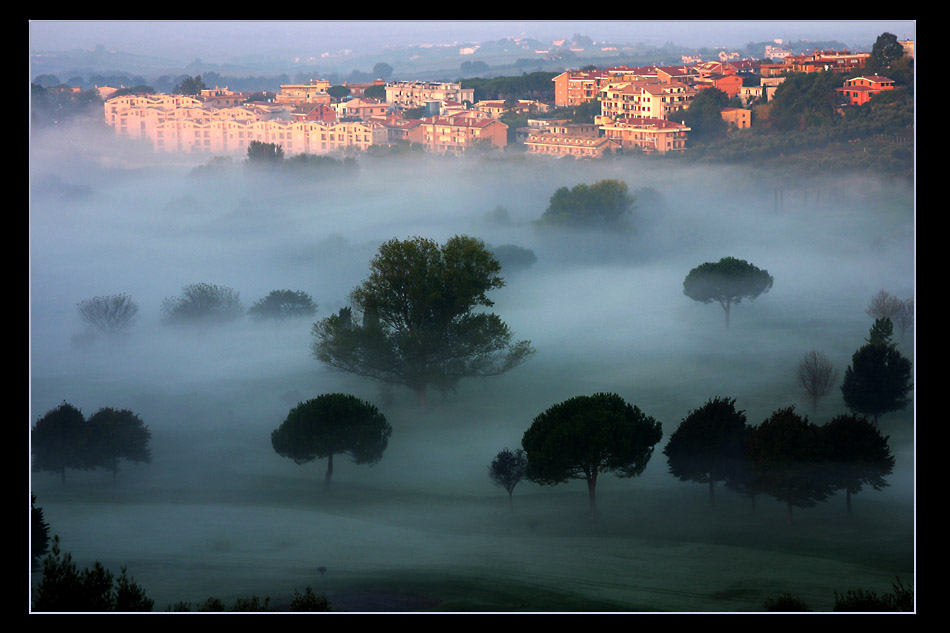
point(884, 305)
point(816, 376)
point(904, 319)
point(109, 315)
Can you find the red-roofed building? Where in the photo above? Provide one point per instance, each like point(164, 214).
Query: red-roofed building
point(455, 134)
point(859, 90)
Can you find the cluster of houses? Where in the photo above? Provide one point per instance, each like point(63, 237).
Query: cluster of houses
point(639, 107)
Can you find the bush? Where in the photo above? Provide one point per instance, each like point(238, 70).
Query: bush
point(202, 304)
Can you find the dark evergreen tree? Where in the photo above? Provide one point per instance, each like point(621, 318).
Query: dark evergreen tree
point(788, 460)
point(727, 282)
point(879, 379)
point(858, 454)
point(280, 305)
point(39, 531)
point(606, 204)
point(707, 445)
point(585, 436)
point(332, 424)
point(58, 441)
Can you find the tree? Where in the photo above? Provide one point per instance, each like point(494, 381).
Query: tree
point(58, 441)
point(878, 381)
point(858, 454)
point(585, 436)
point(190, 86)
point(885, 51)
point(65, 588)
point(202, 304)
point(884, 305)
point(727, 281)
point(788, 460)
point(110, 315)
point(39, 531)
point(115, 434)
point(704, 115)
point(606, 204)
point(309, 601)
point(283, 304)
point(816, 376)
point(259, 153)
point(382, 70)
point(507, 469)
point(332, 424)
point(707, 445)
point(338, 92)
point(414, 323)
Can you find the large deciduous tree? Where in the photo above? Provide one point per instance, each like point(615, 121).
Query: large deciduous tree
point(585, 436)
point(414, 320)
point(332, 424)
point(202, 305)
point(858, 454)
point(879, 378)
point(507, 469)
point(706, 447)
point(115, 434)
point(58, 441)
point(727, 282)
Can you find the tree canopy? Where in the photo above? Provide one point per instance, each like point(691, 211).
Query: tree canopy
point(727, 281)
point(202, 304)
point(585, 436)
point(109, 315)
point(58, 441)
point(260, 153)
point(414, 322)
point(115, 434)
point(280, 305)
point(879, 379)
point(507, 469)
point(706, 447)
point(332, 424)
point(606, 204)
point(858, 454)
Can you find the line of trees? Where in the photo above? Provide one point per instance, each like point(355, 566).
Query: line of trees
point(63, 438)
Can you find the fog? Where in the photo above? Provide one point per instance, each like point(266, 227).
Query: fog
point(217, 512)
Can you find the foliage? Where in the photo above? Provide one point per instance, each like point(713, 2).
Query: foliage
point(786, 602)
point(110, 315)
point(787, 457)
point(39, 531)
point(857, 454)
point(419, 325)
point(56, 105)
point(605, 204)
point(203, 304)
point(58, 441)
point(283, 304)
point(707, 445)
point(375, 92)
point(816, 376)
point(704, 115)
point(114, 434)
point(338, 93)
point(309, 601)
point(315, 164)
point(727, 281)
point(64, 588)
point(879, 379)
point(190, 86)
point(885, 51)
point(382, 70)
point(901, 599)
point(507, 469)
point(260, 153)
point(537, 85)
point(332, 424)
point(514, 258)
point(805, 100)
point(585, 436)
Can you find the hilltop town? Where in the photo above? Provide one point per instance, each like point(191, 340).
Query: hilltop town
point(640, 110)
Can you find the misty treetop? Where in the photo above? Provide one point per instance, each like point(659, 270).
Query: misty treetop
point(584, 436)
point(414, 321)
point(203, 304)
point(879, 379)
point(280, 305)
point(606, 204)
point(109, 315)
point(727, 282)
point(332, 424)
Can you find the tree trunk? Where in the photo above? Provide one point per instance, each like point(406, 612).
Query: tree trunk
point(712, 492)
point(326, 480)
point(848, 498)
point(511, 503)
point(789, 516)
point(591, 486)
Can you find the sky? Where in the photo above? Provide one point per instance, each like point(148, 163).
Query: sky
point(210, 40)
